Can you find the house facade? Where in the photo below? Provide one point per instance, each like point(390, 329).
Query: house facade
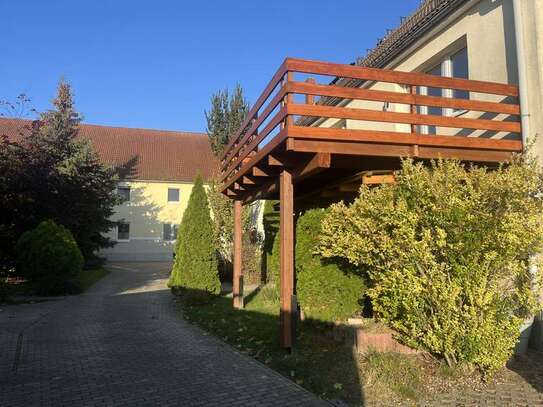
point(484, 40)
point(157, 169)
point(156, 172)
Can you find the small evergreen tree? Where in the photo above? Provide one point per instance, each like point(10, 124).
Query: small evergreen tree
point(49, 258)
point(196, 266)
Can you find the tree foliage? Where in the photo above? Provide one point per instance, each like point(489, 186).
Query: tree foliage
point(49, 173)
point(447, 249)
point(195, 266)
point(49, 258)
point(225, 117)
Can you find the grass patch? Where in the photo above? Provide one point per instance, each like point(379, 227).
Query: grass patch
point(394, 373)
point(318, 363)
point(10, 290)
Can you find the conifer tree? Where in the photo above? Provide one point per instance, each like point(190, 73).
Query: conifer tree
point(196, 266)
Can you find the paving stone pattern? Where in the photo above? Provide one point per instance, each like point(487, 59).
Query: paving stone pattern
point(123, 344)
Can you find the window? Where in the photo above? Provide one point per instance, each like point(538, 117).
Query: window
point(169, 232)
point(452, 65)
point(124, 193)
point(173, 194)
point(123, 231)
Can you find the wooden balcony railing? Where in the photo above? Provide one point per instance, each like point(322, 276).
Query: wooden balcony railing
point(276, 119)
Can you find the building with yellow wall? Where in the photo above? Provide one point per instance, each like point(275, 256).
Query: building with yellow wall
point(157, 169)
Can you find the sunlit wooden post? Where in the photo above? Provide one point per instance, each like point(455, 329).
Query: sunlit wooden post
point(237, 283)
point(288, 304)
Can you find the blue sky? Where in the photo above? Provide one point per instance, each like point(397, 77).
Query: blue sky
point(155, 63)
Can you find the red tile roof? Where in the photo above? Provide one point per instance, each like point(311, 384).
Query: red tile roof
point(141, 153)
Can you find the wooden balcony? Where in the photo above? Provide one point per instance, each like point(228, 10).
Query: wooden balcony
point(386, 119)
point(337, 137)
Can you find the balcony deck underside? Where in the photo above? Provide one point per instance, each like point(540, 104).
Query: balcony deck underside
point(326, 160)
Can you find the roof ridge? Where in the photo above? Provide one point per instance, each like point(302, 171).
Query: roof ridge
point(198, 133)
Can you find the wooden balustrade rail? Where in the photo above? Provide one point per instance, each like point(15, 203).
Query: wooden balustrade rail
point(275, 109)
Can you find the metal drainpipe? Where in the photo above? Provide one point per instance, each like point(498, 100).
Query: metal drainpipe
point(521, 64)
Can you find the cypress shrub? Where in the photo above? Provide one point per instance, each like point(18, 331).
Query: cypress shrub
point(328, 290)
point(270, 248)
point(196, 265)
point(49, 258)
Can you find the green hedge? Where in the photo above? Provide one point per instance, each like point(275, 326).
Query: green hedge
point(447, 250)
point(196, 265)
point(270, 247)
point(328, 290)
point(49, 258)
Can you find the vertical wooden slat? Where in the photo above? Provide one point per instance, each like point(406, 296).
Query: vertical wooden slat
point(289, 99)
point(413, 90)
point(237, 283)
point(286, 234)
point(310, 99)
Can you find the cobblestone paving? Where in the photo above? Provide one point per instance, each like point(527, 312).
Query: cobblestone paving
point(521, 384)
point(122, 343)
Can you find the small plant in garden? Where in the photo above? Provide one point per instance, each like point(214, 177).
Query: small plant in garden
point(196, 266)
point(447, 250)
point(49, 258)
point(328, 290)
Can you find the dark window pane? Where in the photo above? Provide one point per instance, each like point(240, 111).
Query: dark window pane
point(173, 194)
point(435, 111)
point(124, 193)
point(123, 231)
point(167, 232)
point(460, 70)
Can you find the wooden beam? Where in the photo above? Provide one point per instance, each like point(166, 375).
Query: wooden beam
point(389, 150)
point(237, 283)
point(279, 160)
point(372, 179)
point(396, 117)
point(247, 180)
point(395, 137)
point(411, 98)
point(287, 278)
point(263, 172)
point(318, 163)
point(406, 78)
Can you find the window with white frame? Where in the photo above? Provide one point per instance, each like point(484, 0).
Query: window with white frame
point(124, 193)
point(169, 232)
point(123, 231)
point(173, 194)
point(452, 65)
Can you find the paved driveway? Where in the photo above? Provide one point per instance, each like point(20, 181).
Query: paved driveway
point(122, 343)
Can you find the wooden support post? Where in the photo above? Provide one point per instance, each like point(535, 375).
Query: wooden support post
point(237, 283)
point(287, 278)
point(310, 99)
point(413, 91)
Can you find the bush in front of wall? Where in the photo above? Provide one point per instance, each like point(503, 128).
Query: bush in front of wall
point(447, 249)
point(327, 289)
point(270, 247)
point(49, 258)
point(195, 269)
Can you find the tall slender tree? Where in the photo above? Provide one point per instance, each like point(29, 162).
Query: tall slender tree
point(195, 266)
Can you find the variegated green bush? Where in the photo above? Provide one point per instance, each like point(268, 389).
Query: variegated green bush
point(447, 249)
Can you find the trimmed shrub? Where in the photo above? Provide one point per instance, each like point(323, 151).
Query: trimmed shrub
point(447, 249)
point(49, 258)
point(196, 266)
point(327, 289)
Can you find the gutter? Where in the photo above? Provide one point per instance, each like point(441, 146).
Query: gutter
point(522, 77)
